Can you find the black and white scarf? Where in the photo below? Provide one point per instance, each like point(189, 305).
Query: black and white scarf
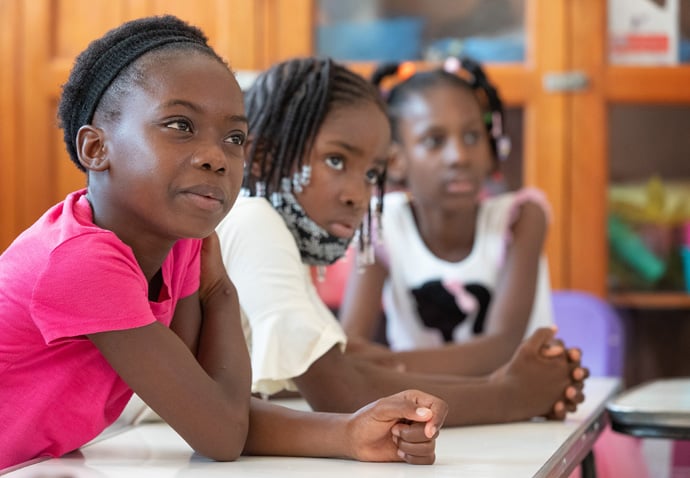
point(316, 246)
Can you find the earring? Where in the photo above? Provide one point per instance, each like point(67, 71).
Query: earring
point(285, 185)
point(276, 199)
point(260, 189)
point(297, 183)
point(306, 175)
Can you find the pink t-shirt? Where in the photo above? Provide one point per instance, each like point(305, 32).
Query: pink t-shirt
point(61, 279)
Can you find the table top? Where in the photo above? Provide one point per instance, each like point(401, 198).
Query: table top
point(537, 448)
point(659, 409)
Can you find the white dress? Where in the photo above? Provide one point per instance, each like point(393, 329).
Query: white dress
point(286, 324)
point(414, 289)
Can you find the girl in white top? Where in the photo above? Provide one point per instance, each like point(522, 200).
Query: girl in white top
point(454, 267)
point(318, 149)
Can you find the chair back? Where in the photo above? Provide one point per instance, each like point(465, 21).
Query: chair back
point(593, 325)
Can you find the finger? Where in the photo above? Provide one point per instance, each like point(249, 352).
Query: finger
point(580, 373)
point(423, 452)
point(417, 460)
point(540, 339)
point(558, 411)
point(418, 405)
point(574, 395)
point(414, 432)
point(574, 354)
point(552, 350)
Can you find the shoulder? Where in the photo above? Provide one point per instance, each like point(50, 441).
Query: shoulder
point(254, 232)
point(526, 202)
point(252, 216)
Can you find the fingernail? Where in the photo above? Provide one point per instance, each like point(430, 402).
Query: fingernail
point(422, 411)
point(395, 431)
point(433, 431)
point(401, 454)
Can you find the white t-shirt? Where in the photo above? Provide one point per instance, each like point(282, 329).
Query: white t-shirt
point(416, 276)
point(286, 324)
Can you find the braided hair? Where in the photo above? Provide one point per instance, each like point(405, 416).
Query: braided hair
point(475, 81)
point(286, 106)
point(108, 68)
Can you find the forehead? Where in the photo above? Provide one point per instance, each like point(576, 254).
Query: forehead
point(441, 100)
point(361, 124)
point(189, 74)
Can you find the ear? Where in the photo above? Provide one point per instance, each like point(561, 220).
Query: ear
point(397, 166)
point(91, 148)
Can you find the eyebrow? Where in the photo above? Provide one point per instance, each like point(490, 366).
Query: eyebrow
point(194, 107)
point(353, 149)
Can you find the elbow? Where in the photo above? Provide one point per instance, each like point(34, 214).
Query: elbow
point(225, 441)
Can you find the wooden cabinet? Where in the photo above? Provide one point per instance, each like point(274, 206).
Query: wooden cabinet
point(564, 134)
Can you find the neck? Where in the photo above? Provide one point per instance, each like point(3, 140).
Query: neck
point(449, 235)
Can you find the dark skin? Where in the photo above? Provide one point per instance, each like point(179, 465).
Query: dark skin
point(443, 150)
point(170, 167)
point(350, 143)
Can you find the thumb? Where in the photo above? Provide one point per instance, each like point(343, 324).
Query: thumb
point(540, 338)
point(415, 406)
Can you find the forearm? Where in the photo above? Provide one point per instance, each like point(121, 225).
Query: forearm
point(222, 350)
point(276, 430)
point(477, 357)
point(337, 383)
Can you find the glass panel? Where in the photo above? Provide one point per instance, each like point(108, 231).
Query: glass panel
point(649, 32)
point(397, 30)
point(649, 197)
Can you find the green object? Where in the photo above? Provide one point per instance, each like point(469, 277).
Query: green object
point(685, 251)
point(630, 249)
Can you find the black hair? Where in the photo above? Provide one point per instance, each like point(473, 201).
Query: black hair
point(286, 106)
point(463, 73)
point(107, 69)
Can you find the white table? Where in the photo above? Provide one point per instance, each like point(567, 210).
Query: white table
point(528, 449)
point(657, 409)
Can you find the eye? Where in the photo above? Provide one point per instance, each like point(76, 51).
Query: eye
point(470, 138)
point(335, 162)
point(433, 141)
point(237, 138)
point(180, 125)
point(372, 176)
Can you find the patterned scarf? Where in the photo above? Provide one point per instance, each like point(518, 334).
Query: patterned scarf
point(316, 246)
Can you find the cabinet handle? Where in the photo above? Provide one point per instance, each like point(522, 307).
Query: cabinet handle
point(565, 81)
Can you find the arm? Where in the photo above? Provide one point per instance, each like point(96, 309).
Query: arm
point(360, 311)
point(396, 428)
point(205, 398)
point(529, 385)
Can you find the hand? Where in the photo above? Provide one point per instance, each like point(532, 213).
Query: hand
point(213, 274)
point(402, 427)
point(537, 377)
point(572, 395)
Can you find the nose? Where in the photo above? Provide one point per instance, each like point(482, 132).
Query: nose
point(355, 192)
point(454, 152)
point(211, 158)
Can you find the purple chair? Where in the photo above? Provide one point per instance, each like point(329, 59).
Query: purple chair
point(593, 325)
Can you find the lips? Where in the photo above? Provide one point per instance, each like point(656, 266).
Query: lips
point(459, 184)
point(205, 196)
point(343, 228)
